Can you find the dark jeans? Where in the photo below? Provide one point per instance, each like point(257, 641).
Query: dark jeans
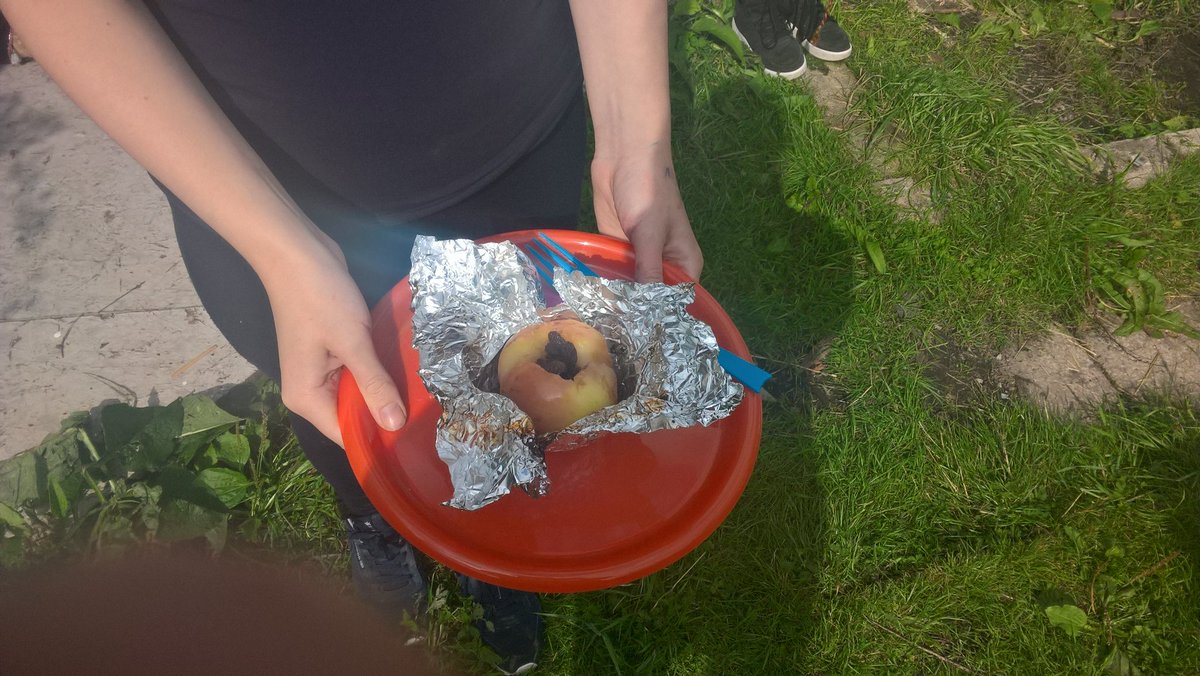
point(541, 190)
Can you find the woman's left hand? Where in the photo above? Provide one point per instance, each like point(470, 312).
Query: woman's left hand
point(637, 199)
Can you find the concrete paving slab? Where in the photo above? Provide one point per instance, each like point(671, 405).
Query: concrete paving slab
point(87, 252)
point(86, 224)
point(1136, 161)
point(1073, 374)
point(56, 366)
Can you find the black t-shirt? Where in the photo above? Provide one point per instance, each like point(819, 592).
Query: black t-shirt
point(396, 108)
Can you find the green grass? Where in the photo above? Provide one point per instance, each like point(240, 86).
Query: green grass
point(890, 529)
point(891, 525)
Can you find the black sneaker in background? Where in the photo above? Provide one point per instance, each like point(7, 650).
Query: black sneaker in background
point(766, 32)
point(818, 32)
point(511, 625)
point(384, 568)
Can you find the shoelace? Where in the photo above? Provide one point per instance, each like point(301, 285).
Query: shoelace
point(808, 17)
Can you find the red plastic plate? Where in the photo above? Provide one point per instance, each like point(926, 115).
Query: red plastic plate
point(624, 506)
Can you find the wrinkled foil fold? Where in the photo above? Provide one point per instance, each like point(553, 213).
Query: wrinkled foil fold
point(468, 298)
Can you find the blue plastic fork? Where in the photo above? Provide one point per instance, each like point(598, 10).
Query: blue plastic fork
point(548, 254)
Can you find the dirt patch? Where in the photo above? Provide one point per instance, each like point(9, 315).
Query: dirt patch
point(1073, 372)
point(1045, 83)
point(1048, 81)
point(1179, 66)
point(1068, 372)
point(805, 383)
point(964, 376)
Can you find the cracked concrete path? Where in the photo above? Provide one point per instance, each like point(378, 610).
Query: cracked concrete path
point(1074, 372)
point(95, 304)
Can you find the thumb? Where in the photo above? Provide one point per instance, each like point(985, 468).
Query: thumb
point(377, 388)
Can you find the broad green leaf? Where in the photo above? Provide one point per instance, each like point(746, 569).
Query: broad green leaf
point(949, 18)
point(1133, 243)
point(228, 485)
point(11, 517)
point(201, 414)
point(778, 245)
point(1110, 293)
point(73, 420)
point(990, 27)
point(1177, 123)
point(1037, 20)
point(207, 458)
point(1103, 10)
point(256, 397)
point(1173, 321)
point(18, 479)
point(1127, 327)
point(1070, 618)
point(1118, 664)
point(142, 439)
point(707, 25)
point(1132, 290)
point(203, 421)
point(58, 498)
point(57, 456)
point(120, 423)
point(1129, 130)
point(1147, 28)
point(148, 511)
point(182, 485)
point(86, 440)
point(876, 255)
point(1157, 300)
point(182, 520)
point(232, 449)
point(686, 8)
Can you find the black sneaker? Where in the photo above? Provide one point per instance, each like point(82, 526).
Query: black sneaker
point(511, 625)
point(765, 31)
point(818, 32)
point(384, 568)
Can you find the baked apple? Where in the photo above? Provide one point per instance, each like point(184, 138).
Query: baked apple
point(557, 372)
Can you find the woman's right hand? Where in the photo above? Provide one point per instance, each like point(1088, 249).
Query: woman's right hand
point(323, 325)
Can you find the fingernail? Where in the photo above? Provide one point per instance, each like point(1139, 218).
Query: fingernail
point(392, 416)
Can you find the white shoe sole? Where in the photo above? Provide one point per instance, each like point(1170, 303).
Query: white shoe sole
point(823, 54)
point(789, 75)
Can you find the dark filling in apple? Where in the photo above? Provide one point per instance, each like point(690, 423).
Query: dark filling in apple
point(560, 357)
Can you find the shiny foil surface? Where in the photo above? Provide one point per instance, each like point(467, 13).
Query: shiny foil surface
point(469, 298)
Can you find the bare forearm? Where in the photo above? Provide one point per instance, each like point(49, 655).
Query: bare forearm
point(623, 45)
point(115, 62)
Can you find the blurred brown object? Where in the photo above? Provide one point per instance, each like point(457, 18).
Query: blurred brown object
point(175, 614)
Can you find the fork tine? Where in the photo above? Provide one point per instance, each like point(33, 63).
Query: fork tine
point(542, 265)
point(549, 254)
point(578, 264)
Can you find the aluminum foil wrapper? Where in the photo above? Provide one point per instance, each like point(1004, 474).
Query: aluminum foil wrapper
point(469, 298)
